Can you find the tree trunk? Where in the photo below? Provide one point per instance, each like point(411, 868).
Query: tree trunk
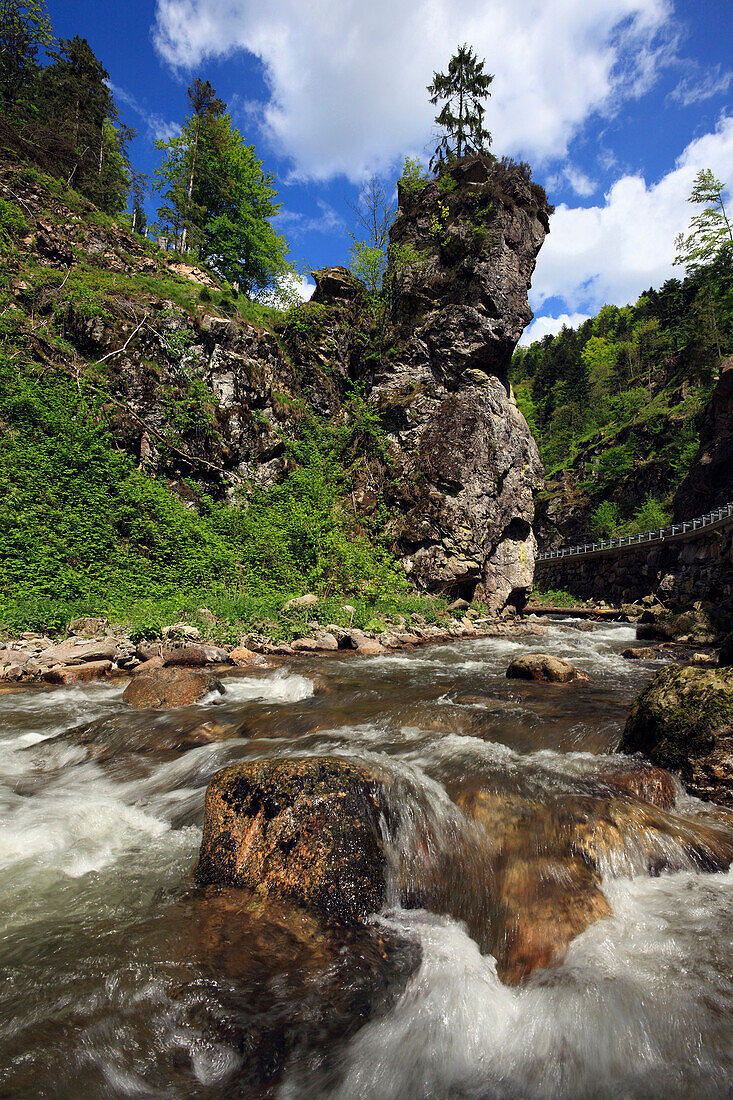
point(189, 191)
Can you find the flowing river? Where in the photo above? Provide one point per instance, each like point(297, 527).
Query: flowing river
point(120, 979)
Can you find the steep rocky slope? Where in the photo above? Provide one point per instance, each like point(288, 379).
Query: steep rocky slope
point(208, 404)
point(709, 482)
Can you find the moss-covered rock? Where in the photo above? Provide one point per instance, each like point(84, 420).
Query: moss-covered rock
point(307, 829)
point(684, 722)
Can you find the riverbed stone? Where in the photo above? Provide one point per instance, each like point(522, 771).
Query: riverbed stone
point(170, 687)
point(305, 829)
point(649, 784)
point(544, 668)
point(77, 674)
point(683, 721)
point(87, 627)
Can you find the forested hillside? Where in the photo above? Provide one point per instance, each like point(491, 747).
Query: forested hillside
point(616, 404)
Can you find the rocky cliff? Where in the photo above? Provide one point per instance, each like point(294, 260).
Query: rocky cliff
point(468, 462)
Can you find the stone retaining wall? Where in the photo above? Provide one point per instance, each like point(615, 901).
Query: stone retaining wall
point(678, 572)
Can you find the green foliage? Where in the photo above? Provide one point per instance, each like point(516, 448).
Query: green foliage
point(12, 224)
point(614, 463)
point(82, 529)
point(76, 101)
point(219, 201)
point(555, 597)
point(626, 390)
point(24, 28)
point(438, 222)
point(650, 517)
point(369, 263)
point(604, 521)
point(710, 230)
point(412, 179)
point(461, 90)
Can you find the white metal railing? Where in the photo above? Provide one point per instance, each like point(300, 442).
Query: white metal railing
point(724, 512)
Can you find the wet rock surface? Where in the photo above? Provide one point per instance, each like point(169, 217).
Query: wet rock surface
point(684, 722)
point(544, 668)
point(168, 687)
point(304, 829)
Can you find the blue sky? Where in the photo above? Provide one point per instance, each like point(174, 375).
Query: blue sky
point(616, 104)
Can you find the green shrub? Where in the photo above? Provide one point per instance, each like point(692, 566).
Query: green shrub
point(412, 179)
point(650, 517)
point(604, 521)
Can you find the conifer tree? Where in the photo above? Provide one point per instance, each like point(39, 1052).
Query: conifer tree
point(77, 101)
point(24, 27)
point(206, 106)
point(462, 89)
point(709, 238)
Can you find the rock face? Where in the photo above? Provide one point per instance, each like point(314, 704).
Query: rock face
point(684, 722)
point(709, 482)
point(307, 830)
point(468, 461)
point(545, 668)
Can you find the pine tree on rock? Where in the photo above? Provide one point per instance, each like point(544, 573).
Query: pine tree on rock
point(462, 89)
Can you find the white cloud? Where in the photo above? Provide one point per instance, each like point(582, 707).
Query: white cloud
point(550, 326)
point(348, 79)
point(580, 183)
point(297, 223)
point(694, 88)
point(158, 129)
point(612, 253)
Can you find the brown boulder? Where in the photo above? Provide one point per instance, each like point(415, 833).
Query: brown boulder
point(150, 665)
point(546, 903)
point(306, 829)
point(648, 784)
point(71, 653)
point(77, 674)
point(163, 688)
point(243, 656)
point(543, 668)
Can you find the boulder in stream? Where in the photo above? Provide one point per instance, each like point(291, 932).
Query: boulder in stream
point(683, 721)
point(544, 668)
point(305, 829)
point(162, 688)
